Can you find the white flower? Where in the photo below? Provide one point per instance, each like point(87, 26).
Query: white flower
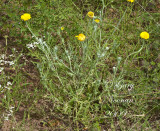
point(114, 69)
point(103, 54)
point(40, 40)
point(30, 46)
point(11, 55)
point(6, 62)
point(55, 48)
point(7, 87)
point(44, 42)
point(11, 111)
point(100, 54)
point(1, 69)
point(119, 58)
point(2, 56)
point(11, 63)
point(1, 61)
point(6, 118)
point(9, 83)
point(35, 43)
point(107, 48)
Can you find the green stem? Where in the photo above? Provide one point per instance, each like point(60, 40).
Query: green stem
point(134, 53)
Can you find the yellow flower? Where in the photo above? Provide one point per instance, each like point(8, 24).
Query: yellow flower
point(130, 1)
point(81, 37)
point(97, 20)
point(62, 28)
point(25, 16)
point(144, 35)
point(90, 14)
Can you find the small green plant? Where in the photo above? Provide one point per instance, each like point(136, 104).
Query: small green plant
point(97, 64)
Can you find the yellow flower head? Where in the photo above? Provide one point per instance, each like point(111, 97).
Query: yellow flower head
point(25, 16)
point(81, 37)
point(97, 20)
point(144, 35)
point(130, 1)
point(62, 28)
point(90, 14)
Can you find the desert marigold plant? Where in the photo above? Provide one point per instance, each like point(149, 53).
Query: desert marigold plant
point(90, 14)
point(97, 20)
point(81, 37)
point(130, 1)
point(62, 28)
point(144, 35)
point(25, 16)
